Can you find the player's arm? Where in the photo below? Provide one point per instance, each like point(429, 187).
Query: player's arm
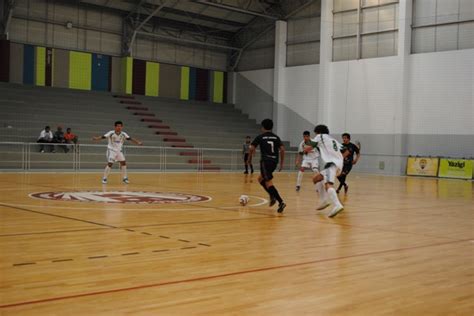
point(282, 157)
point(251, 153)
point(136, 141)
point(357, 151)
point(309, 147)
point(95, 138)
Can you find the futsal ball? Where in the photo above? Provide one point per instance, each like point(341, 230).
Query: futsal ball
point(243, 200)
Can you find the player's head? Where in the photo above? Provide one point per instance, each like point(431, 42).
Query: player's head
point(60, 128)
point(247, 139)
point(321, 129)
point(68, 130)
point(47, 128)
point(306, 135)
point(118, 126)
point(267, 124)
point(346, 138)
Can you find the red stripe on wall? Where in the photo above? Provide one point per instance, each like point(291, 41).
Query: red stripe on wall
point(139, 76)
point(4, 60)
point(49, 67)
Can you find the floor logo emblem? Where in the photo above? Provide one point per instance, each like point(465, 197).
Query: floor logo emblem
point(122, 197)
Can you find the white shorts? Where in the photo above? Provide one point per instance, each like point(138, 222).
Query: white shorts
point(312, 164)
point(330, 173)
point(113, 156)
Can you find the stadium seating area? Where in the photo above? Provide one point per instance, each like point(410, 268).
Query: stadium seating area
point(181, 126)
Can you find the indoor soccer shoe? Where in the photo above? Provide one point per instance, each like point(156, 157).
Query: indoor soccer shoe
point(104, 180)
point(322, 205)
point(336, 210)
point(125, 180)
point(281, 207)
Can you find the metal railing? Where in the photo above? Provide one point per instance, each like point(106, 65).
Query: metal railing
point(19, 156)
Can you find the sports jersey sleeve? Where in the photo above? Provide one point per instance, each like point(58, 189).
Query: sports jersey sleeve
point(356, 149)
point(108, 134)
point(301, 148)
point(127, 137)
point(256, 141)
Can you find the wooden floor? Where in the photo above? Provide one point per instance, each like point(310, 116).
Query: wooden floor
point(403, 246)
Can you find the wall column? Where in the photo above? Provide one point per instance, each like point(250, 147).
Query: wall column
point(279, 80)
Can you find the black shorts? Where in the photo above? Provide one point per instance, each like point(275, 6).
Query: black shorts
point(246, 157)
point(266, 169)
point(346, 168)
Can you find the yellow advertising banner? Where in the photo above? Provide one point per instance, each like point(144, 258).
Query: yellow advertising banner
point(455, 168)
point(422, 166)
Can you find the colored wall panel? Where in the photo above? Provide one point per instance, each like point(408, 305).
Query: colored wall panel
point(184, 95)
point(16, 62)
point(116, 75)
point(152, 79)
point(192, 84)
point(218, 95)
point(40, 66)
point(202, 84)
point(80, 70)
point(49, 64)
point(170, 79)
point(100, 72)
point(127, 74)
point(139, 76)
point(4, 60)
point(61, 68)
point(29, 64)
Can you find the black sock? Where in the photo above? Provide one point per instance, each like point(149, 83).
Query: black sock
point(262, 183)
point(246, 168)
point(342, 181)
point(273, 191)
point(251, 167)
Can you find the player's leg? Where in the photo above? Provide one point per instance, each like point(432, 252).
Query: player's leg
point(261, 180)
point(330, 178)
point(269, 168)
point(123, 167)
point(319, 183)
point(246, 156)
point(342, 177)
point(110, 155)
point(299, 177)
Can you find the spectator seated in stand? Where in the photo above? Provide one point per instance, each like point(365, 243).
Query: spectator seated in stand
point(58, 138)
point(46, 137)
point(70, 138)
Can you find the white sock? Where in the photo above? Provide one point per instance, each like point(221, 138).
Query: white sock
point(333, 196)
point(123, 169)
point(299, 178)
point(322, 192)
point(107, 171)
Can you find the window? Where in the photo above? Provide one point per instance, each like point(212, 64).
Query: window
point(440, 25)
point(364, 29)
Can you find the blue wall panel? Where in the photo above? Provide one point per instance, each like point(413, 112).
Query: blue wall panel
point(29, 65)
point(192, 84)
point(100, 72)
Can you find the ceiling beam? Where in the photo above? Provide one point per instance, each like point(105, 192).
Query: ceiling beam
point(236, 9)
point(202, 17)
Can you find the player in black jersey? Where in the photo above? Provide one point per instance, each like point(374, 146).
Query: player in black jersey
point(348, 160)
point(272, 151)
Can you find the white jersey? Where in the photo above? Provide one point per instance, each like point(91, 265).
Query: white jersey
point(330, 149)
point(312, 155)
point(116, 141)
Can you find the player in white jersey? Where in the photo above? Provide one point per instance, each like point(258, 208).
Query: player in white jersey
point(330, 150)
point(310, 160)
point(116, 138)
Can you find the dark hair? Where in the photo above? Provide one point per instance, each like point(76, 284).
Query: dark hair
point(47, 127)
point(346, 135)
point(306, 133)
point(68, 129)
point(321, 129)
point(118, 123)
point(267, 124)
point(247, 136)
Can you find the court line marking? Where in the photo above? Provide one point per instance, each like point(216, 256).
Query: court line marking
point(55, 215)
point(263, 201)
point(223, 275)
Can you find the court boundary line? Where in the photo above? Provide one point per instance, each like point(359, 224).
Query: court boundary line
point(223, 275)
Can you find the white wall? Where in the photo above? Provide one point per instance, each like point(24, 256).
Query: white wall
point(440, 99)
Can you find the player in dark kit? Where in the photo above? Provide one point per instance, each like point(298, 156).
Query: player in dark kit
point(272, 151)
point(348, 160)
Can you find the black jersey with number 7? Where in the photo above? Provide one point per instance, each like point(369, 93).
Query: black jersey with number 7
point(269, 146)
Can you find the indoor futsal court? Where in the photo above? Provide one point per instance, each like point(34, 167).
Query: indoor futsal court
point(236, 157)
